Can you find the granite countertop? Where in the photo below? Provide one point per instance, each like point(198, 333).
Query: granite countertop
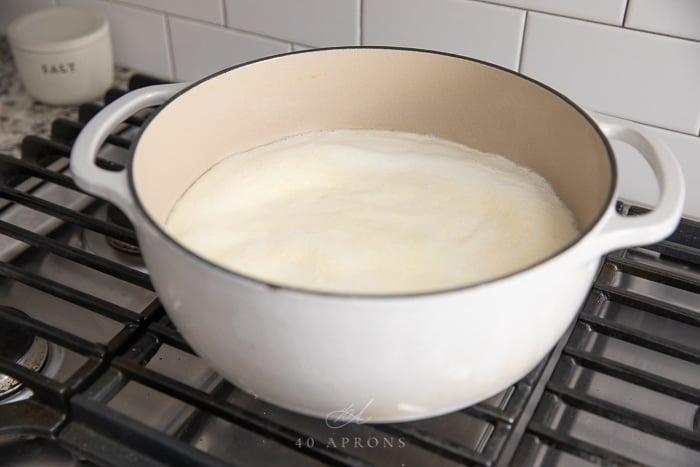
point(20, 114)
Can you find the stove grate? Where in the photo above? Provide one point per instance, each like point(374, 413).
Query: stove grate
point(76, 254)
point(624, 311)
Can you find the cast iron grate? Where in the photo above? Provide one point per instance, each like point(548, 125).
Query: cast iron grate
point(544, 419)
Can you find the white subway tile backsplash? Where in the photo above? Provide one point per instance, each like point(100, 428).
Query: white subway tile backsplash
point(674, 17)
point(200, 50)
point(139, 37)
point(631, 74)
point(604, 11)
point(636, 179)
point(479, 30)
point(211, 11)
point(315, 22)
point(11, 9)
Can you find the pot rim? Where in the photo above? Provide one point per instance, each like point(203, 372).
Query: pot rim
point(304, 291)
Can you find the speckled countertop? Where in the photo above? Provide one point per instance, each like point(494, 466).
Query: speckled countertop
point(21, 115)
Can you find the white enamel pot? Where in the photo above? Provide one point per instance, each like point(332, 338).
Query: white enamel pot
point(395, 357)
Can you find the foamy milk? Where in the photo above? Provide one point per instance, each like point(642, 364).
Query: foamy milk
point(371, 212)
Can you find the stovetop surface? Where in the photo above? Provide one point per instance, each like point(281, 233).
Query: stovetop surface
point(121, 387)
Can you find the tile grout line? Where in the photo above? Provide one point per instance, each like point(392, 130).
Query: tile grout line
point(257, 35)
point(224, 11)
point(153, 10)
point(662, 34)
point(616, 26)
point(203, 22)
point(544, 12)
point(655, 127)
point(592, 21)
point(522, 42)
point(360, 22)
point(244, 32)
point(624, 13)
point(171, 49)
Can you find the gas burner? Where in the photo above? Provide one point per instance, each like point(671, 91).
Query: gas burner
point(108, 247)
point(118, 218)
point(123, 246)
point(25, 349)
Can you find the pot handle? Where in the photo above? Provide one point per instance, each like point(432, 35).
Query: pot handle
point(110, 185)
point(622, 231)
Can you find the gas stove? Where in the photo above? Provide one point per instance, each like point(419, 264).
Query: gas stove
point(92, 371)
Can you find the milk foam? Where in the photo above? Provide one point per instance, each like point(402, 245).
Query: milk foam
point(371, 212)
